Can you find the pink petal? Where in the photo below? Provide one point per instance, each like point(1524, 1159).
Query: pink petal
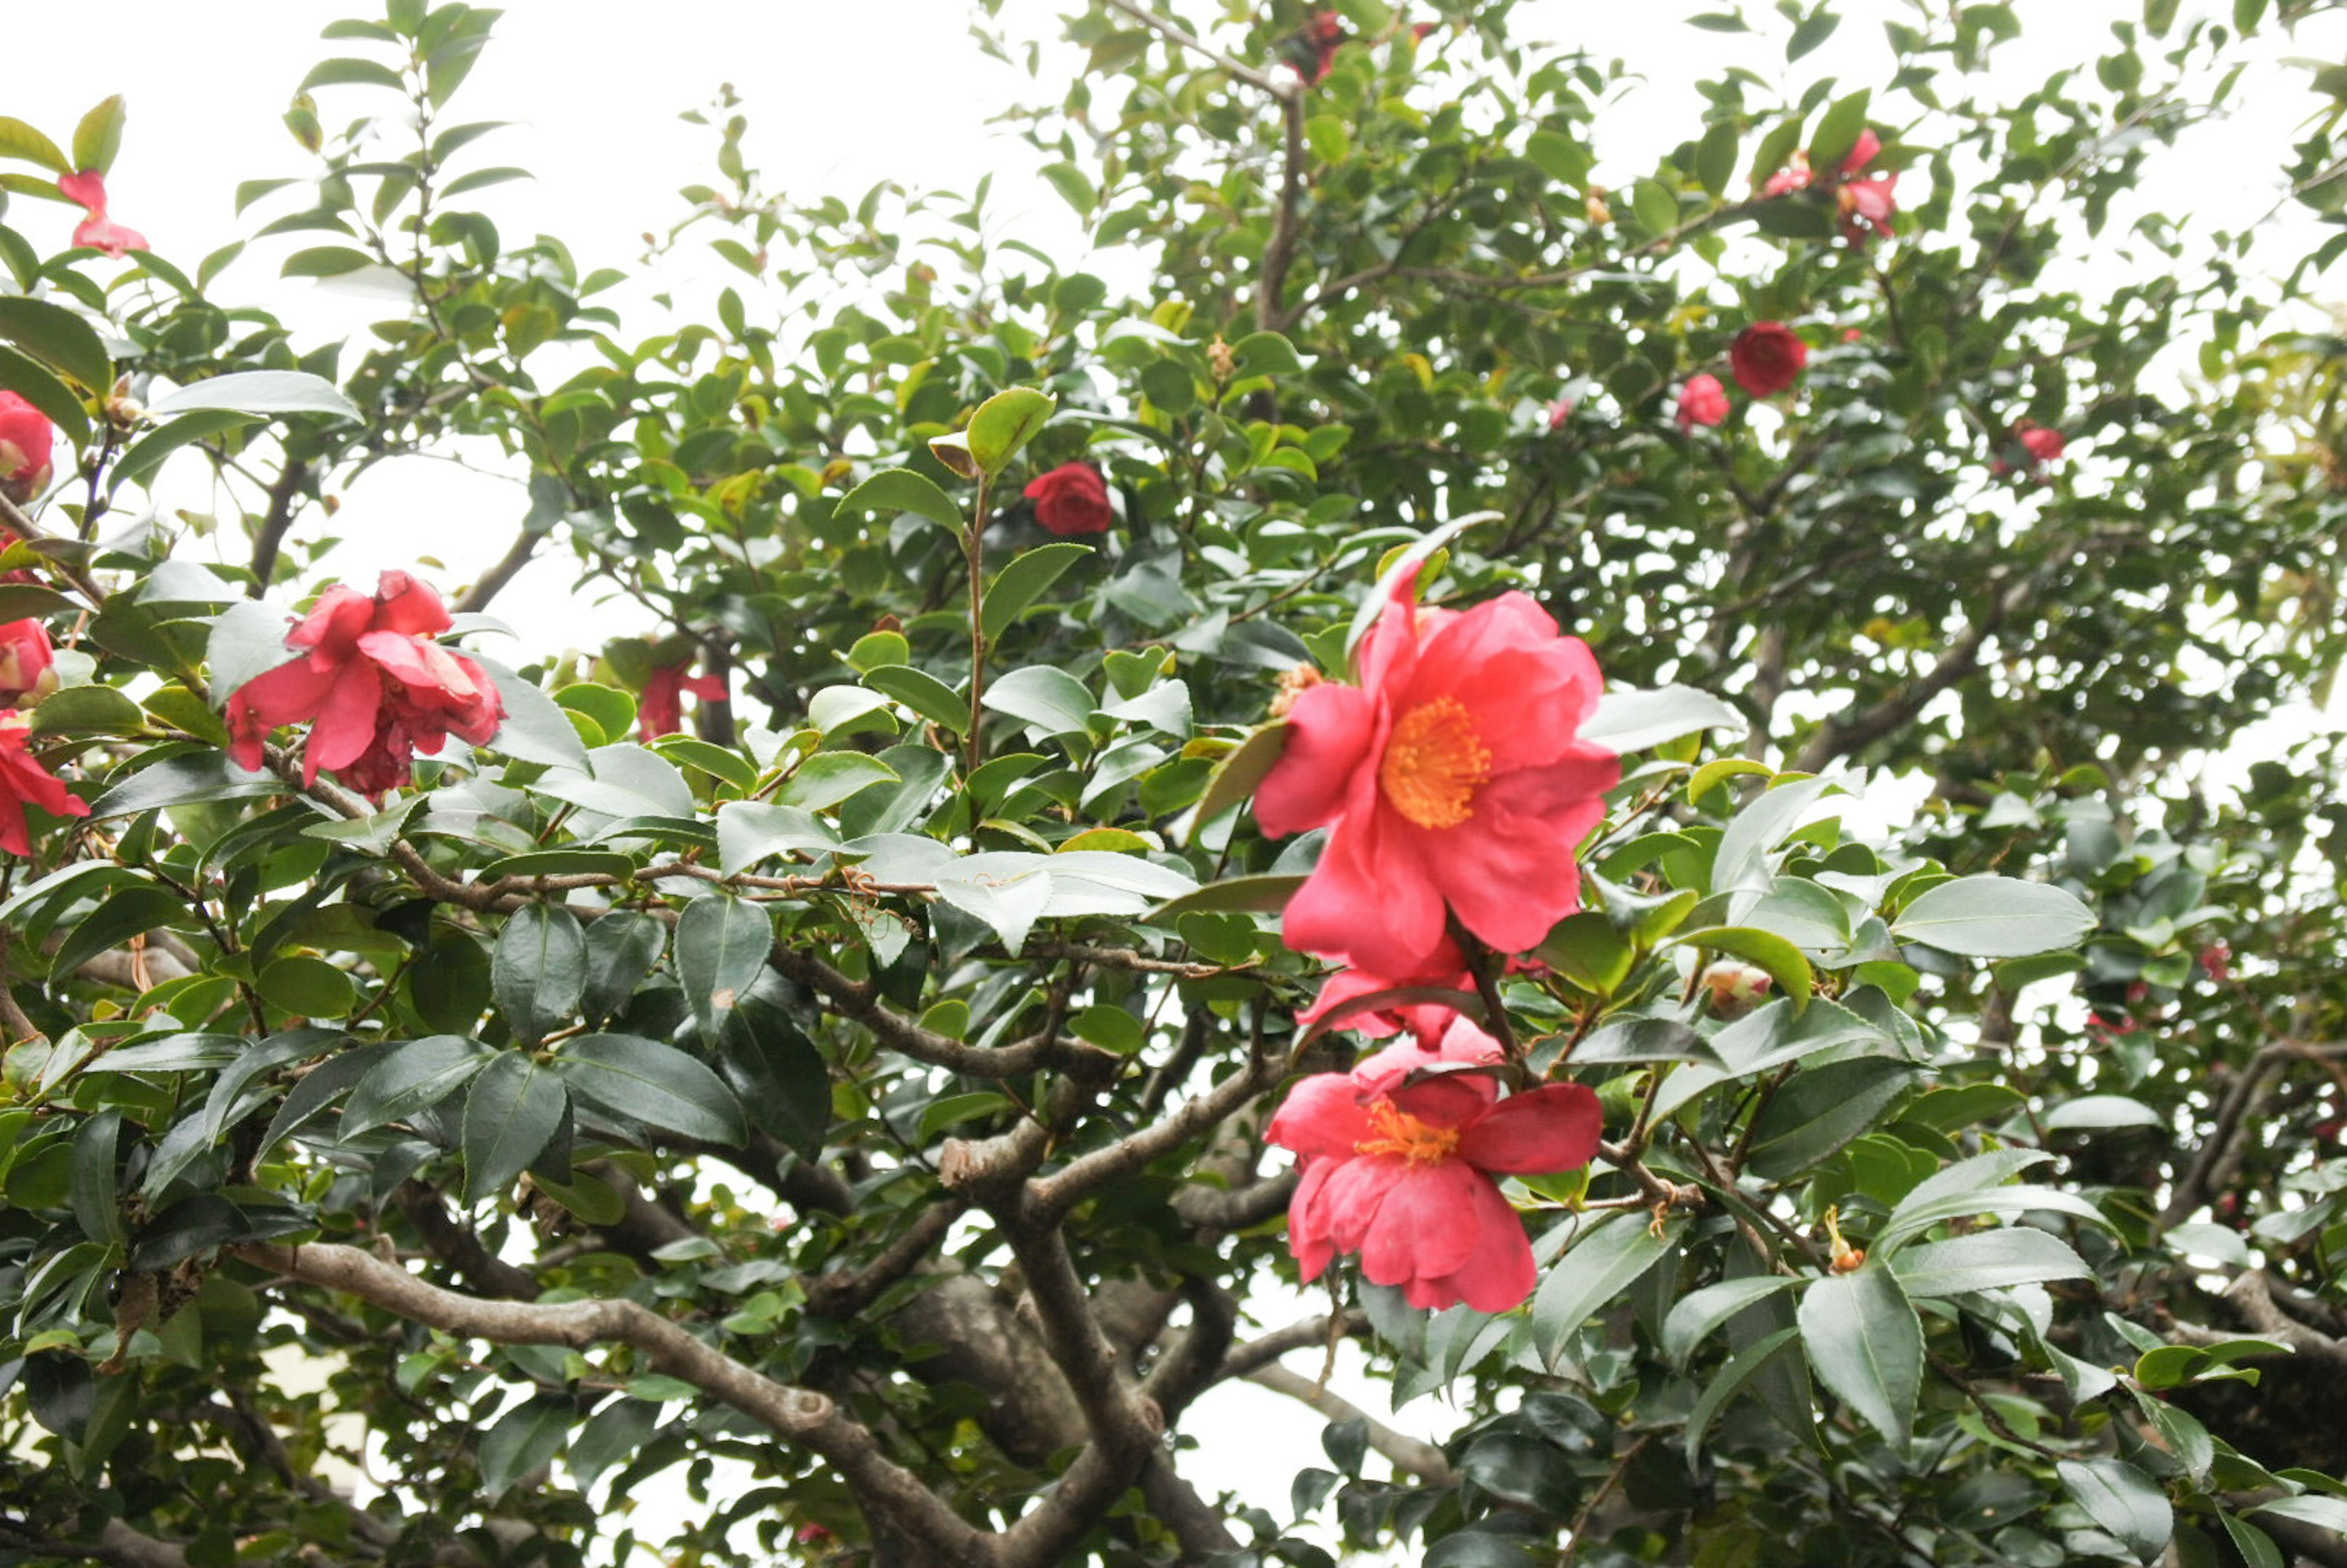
point(99, 232)
point(1447, 1100)
point(1377, 907)
point(1307, 1221)
point(429, 672)
point(1424, 1226)
point(1329, 735)
point(1862, 152)
point(1356, 1189)
point(1499, 1274)
point(85, 186)
point(1321, 1115)
point(346, 719)
point(1552, 1128)
point(403, 604)
point(333, 626)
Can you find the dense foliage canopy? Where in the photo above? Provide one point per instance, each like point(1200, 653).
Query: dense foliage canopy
point(1866, 1089)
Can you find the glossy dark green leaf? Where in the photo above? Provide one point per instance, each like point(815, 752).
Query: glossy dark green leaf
point(59, 337)
point(622, 949)
point(1994, 917)
point(526, 1437)
point(1598, 1266)
point(512, 1111)
point(721, 946)
point(540, 970)
point(652, 1083)
point(1865, 1343)
point(96, 1193)
point(1030, 574)
point(902, 490)
point(2123, 1501)
point(412, 1077)
point(258, 392)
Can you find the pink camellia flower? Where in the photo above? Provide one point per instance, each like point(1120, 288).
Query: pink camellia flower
point(1865, 201)
point(1559, 412)
point(1767, 357)
point(1702, 401)
point(378, 686)
point(27, 658)
point(26, 435)
point(2039, 446)
point(1446, 970)
point(661, 710)
point(1397, 1161)
point(23, 782)
point(98, 231)
point(1072, 498)
point(2217, 958)
point(1451, 779)
point(1324, 35)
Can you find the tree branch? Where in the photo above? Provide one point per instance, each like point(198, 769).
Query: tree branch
point(1054, 1194)
point(1404, 1452)
point(798, 1415)
point(282, 494)
point(1174, 35)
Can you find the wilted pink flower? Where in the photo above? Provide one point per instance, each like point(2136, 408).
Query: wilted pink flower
point(1397, 1161)
point(661, 710)
point(1702, 401)
point(2217, 958)
point(1451, 781)
point(98, 231)
point(23, 782)
point(378, 686)
point(26, 435)
point(1072, 498)
point(1767, 357)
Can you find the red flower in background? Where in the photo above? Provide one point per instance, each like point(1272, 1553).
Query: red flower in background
point(661, 710)
point(26, 435)
point(1559, 412)
point(1767, 357)
point(23, 782)
point(1865, 201)
point(1702, 401)
point(1324, 34)
point(2039, 446)
point(98, 231)
point(26, 661)
point(1072, 498)
point(378, 687)
point(1401, 1171)
point(1451, 779)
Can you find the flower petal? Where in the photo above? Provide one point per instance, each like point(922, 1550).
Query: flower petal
point(1329, 732)
point(1423, 1227)
point(1321, 1115)
point(1499, 1274)
point(1552, 1128)
point(346, 719)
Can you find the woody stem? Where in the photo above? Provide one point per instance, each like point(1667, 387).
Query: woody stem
point(976, 550)
point(1484, 964)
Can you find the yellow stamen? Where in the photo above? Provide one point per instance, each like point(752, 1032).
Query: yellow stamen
point(1434, 762)
point(1399, 1133)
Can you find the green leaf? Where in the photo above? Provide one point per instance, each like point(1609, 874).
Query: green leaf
point(59, 337)
point(1994, 917)
point(1071, 183)
point(2100, 1113)
point(656, 1084)
point(1811, 31)
point(1714, 157)
point(325, 261)
point(1233, 895)
point(1726, 1383)
point(307, 987)
point(2123, 1501)
point(88, 710)
point(1601, 1264)
point(415, 1076)
point(540, 970)
point(1820, 1111)
point(1865, 1343)
point(771, 1064)
point(1023, 581)
point(610, 1435)
point(1004, 423)
point(827, 778)
point(721, 948)
point(34, 382)
point(1558, 157)
point(352, 73)
point(147, 453)
point(924, 694)
point(129, 912)
point(1781, 959)
point(1699, 1313)
point(2256, 1547)
point(1048, 699)
point(1238, 772)
point(902, 490)
point(95, 1190)
point(622, 947)
point(1263, 353)
point(534, 729)
point(1987, 1260)
point(513, 1111)
point(2323, 1512)
point(259, 391)
point(1838, 132)
point(1644, 1039)
point(1629, 721)
point(749, 831)
point(22, 143)
point(526, 1437)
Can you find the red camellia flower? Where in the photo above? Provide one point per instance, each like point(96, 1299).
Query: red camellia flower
point(1767, 357)
point(1451, 777)
point(378, 687)
point(1702, 401)
point(1559, 412)
point(661, 710)
point(98, 231)
point(23, 782)
point(1397, 1161)
point(26, 434)
point(26, 657)
point(1325, 33)
point(2039, 446)
point(1865, 201)
point(1446, 970)
point(1072, 498)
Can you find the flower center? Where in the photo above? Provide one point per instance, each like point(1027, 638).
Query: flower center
point(1399, 1133)
point(1434, 762)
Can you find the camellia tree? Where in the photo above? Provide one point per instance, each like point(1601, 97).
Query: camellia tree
point(1351, 763)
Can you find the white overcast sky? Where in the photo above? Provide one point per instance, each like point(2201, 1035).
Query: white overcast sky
point(841, 94)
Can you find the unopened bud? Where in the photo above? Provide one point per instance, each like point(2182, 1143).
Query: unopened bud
point(1221, 360)
point(123, 412)
point(1293, 683)
point(1600, 214)
point(1735, 989)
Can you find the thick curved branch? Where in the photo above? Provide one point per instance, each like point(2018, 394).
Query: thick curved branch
point(798, 1415)
point(1404, 1452)
point(1054, 1194)
point(1236, 1208)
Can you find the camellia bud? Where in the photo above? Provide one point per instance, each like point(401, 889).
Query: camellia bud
point(1293, 683)
point(123, 412)
point(1845, 1258)
point(1221, 360)
point(1735, 989)
point(1600, 214)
